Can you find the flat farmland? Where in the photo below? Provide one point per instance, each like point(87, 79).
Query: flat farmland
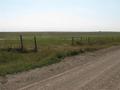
point(52, 48)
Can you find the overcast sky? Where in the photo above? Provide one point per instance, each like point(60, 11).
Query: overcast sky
point(53, 15)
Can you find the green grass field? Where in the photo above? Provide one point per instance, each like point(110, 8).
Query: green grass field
point(52, 48)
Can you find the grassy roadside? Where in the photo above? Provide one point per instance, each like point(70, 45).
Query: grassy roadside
point(12, 62)
point(52, 49)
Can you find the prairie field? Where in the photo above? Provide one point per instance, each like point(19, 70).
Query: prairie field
point(52, 48)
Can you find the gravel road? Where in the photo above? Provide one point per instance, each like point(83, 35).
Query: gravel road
point(99, 70)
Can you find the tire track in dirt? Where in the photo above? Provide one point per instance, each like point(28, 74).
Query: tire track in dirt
point(85, 78)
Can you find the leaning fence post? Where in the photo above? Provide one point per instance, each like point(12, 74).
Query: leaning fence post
point(35, 43)
point(21, 43)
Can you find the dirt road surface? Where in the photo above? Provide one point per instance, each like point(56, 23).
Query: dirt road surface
point(92, 71)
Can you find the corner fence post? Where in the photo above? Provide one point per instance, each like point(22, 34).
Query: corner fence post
point(35, 44)
point(21, 43)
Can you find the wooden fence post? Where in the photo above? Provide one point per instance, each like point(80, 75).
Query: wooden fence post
point(35, 44)
point(21, 43)
point(88, 38)
point(81, 38)
point(72, 40)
